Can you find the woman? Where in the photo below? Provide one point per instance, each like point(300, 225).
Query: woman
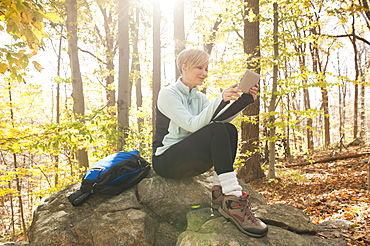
point(193, 134)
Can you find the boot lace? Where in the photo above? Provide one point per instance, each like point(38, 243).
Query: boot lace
point(247, 211)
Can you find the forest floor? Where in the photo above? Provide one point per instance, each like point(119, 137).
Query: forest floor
point(336, 190)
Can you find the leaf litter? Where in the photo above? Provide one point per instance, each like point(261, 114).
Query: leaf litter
point(335, 190)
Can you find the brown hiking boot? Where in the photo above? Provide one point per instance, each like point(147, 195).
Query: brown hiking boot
point(217, 196)
point(239, 211)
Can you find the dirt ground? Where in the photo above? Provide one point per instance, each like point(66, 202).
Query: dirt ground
point(326, 191)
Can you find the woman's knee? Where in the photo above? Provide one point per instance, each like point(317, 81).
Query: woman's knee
point(231, 128)
point(219, 126)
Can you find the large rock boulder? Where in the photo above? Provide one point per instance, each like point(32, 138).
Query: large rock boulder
point(160, 212)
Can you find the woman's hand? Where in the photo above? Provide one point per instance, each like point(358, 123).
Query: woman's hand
point(253, 91)
point(233, 93)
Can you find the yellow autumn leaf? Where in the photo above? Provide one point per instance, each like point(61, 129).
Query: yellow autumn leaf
point(3, 67)
point(13, 17)
point(39, 35)
point(34, 48)
point(37, 66)
point(52, 17)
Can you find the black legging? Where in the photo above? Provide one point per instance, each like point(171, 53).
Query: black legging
point(213, 145)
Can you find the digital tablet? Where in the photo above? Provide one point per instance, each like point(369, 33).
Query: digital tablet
point(248, 80)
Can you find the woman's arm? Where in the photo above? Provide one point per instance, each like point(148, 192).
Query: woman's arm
point(171, 105)
point(241, 102)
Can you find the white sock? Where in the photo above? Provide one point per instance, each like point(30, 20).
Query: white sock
point(215, 179)
point(230, 184)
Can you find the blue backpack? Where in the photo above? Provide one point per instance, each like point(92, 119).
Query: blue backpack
point(111, 175)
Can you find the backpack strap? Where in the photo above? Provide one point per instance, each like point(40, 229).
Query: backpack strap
point(117, 189)
point(78, 197)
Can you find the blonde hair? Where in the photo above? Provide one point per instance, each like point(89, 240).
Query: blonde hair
point(191, 58)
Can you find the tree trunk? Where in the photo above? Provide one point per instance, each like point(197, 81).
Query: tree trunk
point(342, 112)
point(362, 76)
point(287, 130)
point(306, 103)
point(341, 101)
point(210, 41)
point(58, 84)
point(366, 6)
point(56, 165)
point(17, 179)
point(77, 87)
point(20, 200)
point(362, 108)
point(251, 169)
point(135, 67)
point(301, 49)
point(272, 106)
point(324, 95)
point(156, 57)
point(78, 98)
point(320, 70)
point(297, 137)
point(123, 101)
point(109, 53)
point(325, 105)
point(309, 121)
point(179, 31)
point(355, 101)
point(12, 211)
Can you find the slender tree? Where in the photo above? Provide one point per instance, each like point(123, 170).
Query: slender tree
point(364, 67)
point(272, 106)
point(123, 101)
point(357, 73)
point(135, 67)
point(77, 86)
point(301, 48)
point(156, 83)
point(179, 30)
point(319, 66)
point(56, 165)
point(342, 89)
point(110, 45)
point(16, 167)
point(103, 35)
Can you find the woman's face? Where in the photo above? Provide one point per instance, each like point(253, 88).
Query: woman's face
point(194, 76)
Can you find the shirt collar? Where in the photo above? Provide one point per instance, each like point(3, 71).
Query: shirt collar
point(184, 88)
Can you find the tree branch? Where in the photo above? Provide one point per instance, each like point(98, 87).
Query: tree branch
point(97, 58)
point(347, 36)
point(88, 52)
point(210, 44)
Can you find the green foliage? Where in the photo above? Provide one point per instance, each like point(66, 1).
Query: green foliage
point(60, 80)
point(98, 133)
